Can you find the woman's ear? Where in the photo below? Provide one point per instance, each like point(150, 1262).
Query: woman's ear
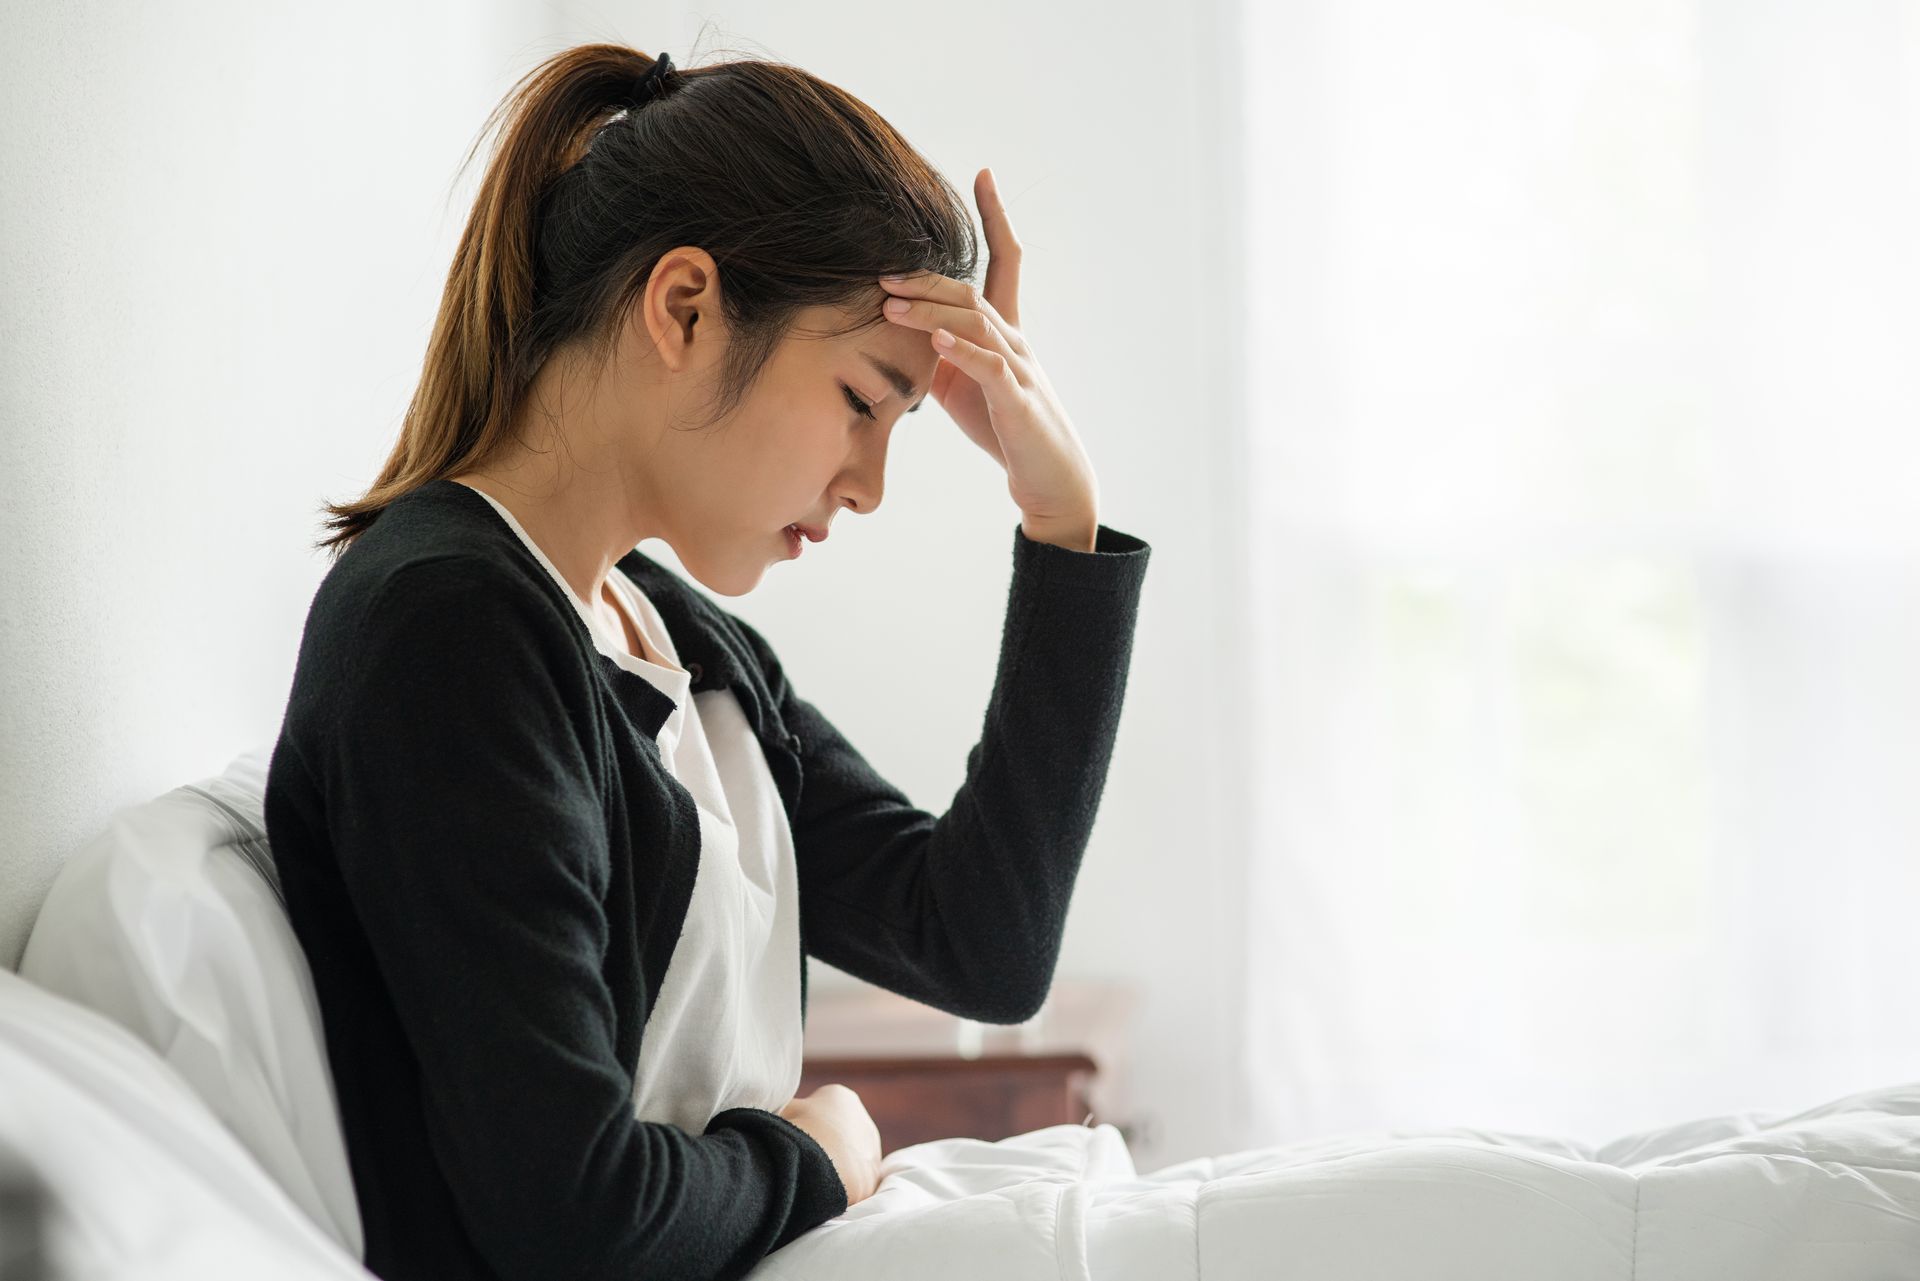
point(681, 304)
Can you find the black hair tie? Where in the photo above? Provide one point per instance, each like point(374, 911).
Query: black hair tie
point(653, 83)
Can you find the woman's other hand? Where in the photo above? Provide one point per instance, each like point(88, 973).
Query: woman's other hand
point(838, 1121)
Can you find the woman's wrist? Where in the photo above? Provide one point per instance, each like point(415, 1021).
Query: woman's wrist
point(1075, 534)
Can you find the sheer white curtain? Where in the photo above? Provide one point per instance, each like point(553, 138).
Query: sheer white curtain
point(1584, 414)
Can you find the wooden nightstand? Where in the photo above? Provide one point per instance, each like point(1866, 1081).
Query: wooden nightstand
point(925, 1075)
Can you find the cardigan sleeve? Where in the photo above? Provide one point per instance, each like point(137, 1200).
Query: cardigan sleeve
point(965, 912)
point(472, 837)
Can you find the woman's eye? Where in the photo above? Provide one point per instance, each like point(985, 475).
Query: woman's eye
point(860, 406)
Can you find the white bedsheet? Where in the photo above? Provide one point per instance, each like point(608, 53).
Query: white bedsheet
point(152, 1187)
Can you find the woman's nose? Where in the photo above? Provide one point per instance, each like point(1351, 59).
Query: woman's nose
point(866, 480)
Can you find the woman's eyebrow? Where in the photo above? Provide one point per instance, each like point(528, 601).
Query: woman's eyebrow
point(893, 374)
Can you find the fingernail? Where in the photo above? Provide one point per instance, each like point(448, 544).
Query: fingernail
point(893, 279)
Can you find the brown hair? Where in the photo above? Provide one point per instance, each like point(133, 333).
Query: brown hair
point(801, 192)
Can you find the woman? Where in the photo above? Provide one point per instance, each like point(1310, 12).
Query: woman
point(535, 796)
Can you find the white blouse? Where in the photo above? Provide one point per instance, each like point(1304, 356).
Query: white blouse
point(725, 1030)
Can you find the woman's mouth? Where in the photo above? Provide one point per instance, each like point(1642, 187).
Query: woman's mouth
point(794, 542)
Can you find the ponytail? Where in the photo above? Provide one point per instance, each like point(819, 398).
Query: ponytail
point(478, 357)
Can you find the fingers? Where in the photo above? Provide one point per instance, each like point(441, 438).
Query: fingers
point(977, 324)
point(1003, 248)
point(934, 288)
point(941, 300)
point(991, 369)
point(938, 300)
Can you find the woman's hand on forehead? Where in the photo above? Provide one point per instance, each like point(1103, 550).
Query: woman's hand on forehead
point(990, 382)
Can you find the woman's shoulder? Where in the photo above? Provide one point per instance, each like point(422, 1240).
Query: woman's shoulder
point(438, 570)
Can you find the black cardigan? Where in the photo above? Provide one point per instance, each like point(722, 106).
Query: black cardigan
point(487, 865)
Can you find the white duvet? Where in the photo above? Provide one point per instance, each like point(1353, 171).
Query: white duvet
point(148, 1185)
point(1832, 1194)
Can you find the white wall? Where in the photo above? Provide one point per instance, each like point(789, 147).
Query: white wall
point(225, 231)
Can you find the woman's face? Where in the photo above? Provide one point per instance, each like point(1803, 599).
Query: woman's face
point(796, 450)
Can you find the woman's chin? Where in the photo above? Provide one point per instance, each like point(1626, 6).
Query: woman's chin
point(732, 579)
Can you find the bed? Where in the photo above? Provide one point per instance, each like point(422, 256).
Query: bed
point(168, 1114)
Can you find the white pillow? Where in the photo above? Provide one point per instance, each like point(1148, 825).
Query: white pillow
point(138, 1180)
point(171, 923)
